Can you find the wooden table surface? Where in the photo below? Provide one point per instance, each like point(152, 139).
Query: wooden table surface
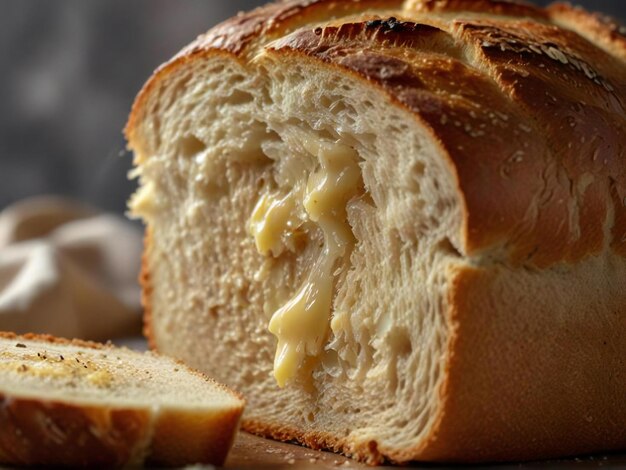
point(252, 452)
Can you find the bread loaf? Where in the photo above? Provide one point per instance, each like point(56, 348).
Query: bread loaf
point(80, 404)
point(398, 227)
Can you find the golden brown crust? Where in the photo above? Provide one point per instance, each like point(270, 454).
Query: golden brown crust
point(523, 368)
point(365, 452)
point(212, 437)
point(598, 28)
point(277, 19)
point(491, 7)
point(575, 113)
point(40, 432)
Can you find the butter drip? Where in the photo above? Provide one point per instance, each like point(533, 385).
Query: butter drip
point(272, 222)
point(301, 324)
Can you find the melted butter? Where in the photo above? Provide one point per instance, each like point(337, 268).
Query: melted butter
point(301, 324)
point(270, 222)
point(100, 378)
point(55, 368)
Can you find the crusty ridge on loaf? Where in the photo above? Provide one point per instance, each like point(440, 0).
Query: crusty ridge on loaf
point(476, 263)
point(76, 403)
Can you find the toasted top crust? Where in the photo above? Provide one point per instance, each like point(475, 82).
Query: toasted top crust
point(528, 103)
point(598, 28)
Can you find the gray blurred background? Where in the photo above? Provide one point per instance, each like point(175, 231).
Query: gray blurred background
point(69, 72)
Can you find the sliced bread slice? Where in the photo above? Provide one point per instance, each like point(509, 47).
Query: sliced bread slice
point(78, 403)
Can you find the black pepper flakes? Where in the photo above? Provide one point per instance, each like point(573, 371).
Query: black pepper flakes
point(20, 345)
point(318, 31)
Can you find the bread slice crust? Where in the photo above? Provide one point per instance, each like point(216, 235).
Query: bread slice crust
point(124, 431)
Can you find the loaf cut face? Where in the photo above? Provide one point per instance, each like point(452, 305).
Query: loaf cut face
point(81, 404)
point(399, 228)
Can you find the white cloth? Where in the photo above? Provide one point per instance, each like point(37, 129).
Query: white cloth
point(68, 271)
